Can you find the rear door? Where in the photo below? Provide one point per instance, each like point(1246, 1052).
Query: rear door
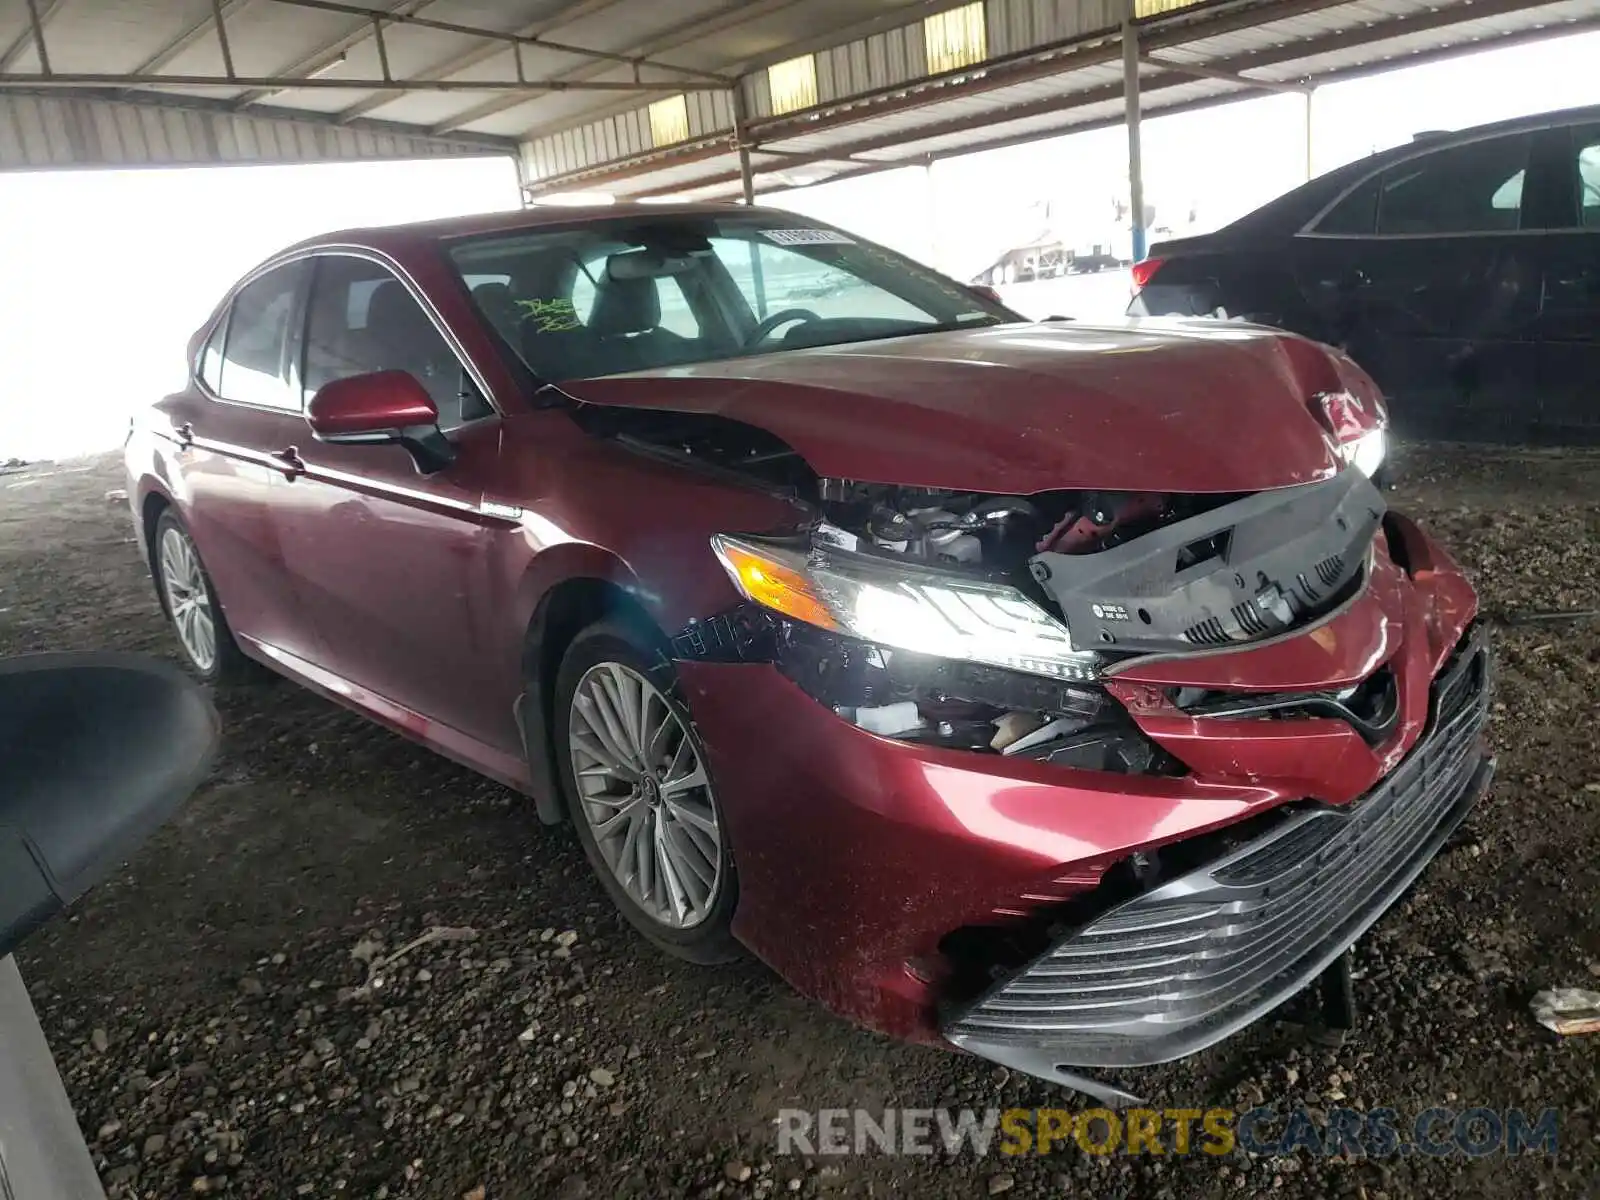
point(247, 406)
point(1428, 274)
point(393, 563)
point(1569, 324)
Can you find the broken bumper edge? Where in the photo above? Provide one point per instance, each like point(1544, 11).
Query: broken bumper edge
point(1187, 964)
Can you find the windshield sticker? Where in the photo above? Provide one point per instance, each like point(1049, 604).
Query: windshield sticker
point(808, 237)
point(550, 316)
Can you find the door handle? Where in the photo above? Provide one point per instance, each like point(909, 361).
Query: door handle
point(185, 434)
point(288, 461)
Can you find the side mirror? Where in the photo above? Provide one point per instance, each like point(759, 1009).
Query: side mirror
point(99, 749)
point(383, 406)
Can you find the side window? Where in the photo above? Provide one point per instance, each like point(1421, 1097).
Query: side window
point(774, 278)
point(1356, 214)
point(1476, 188)
point(211, 356)
point(256, 348)
point(362, 319)
point(1589, 178)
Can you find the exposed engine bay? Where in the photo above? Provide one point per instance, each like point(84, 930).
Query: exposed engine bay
point(1134, 572)
point(1000, 533)
point(1127, 573)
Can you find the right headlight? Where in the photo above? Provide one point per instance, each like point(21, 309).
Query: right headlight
point(904, 606)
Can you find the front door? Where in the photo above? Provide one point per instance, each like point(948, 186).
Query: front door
point(395, 564)
point(1569, 325)
point(1426, 276)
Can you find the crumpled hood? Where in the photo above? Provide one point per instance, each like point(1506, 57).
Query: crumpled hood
point(1199, 406)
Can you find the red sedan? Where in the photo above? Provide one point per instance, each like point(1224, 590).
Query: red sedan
point(1065, 693)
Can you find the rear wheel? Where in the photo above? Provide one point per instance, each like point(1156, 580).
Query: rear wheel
point(641, 797)
point(191, 603)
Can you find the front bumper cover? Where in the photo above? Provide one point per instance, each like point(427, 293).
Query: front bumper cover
point(1184, 965)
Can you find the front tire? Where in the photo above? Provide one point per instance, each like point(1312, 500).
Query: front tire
point(640, 795)
point(191, 605)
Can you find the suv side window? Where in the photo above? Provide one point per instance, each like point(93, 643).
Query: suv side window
point(362, 319)
point(1475, 188)
point(1356, 214)
point(255, 354)
point(1588, 147)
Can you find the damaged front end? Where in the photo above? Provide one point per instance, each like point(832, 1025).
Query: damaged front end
point(1173, 751)
point(986, 622)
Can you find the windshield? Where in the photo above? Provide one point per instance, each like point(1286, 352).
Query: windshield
point(642, 292)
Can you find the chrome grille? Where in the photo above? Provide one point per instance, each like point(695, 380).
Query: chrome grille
point(1194, 959)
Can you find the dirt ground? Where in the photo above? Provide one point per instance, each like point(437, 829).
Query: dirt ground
point(208, 1009)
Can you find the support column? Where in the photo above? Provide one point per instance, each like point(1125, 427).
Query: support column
point(1130, 98)
point(746, 176)
point(1310, 170)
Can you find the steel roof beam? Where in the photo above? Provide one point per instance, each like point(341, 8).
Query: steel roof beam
point(1036, 62)
point(1041, 62)
point(200, 30)
point(667, 39)
point(34, 82)
point(1204, 72)
point(510, 39)
point(779, 129)
point(32, 35)
point(325, 56)
point(471, 58)
point(870, 167)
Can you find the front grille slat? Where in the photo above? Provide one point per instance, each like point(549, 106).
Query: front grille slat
point(1183, 965)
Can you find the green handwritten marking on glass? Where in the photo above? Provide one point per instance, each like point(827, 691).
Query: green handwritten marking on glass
point(550, 316)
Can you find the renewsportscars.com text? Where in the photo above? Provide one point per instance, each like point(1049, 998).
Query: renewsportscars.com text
point(1374, 1133)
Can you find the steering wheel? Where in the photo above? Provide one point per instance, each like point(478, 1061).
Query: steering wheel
point(782, 317)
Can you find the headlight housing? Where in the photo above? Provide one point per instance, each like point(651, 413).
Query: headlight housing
point(904, 606)
point(1358, 434)
point(1366, 452)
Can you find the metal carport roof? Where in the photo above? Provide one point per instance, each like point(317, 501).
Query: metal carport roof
point(568, 85)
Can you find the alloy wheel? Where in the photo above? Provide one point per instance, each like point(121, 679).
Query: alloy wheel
point(188, 599)
point(645, 795)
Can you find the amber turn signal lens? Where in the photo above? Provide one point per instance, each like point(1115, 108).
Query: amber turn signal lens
point(775, 586)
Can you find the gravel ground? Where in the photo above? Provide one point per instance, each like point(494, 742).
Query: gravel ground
point(238, 1010)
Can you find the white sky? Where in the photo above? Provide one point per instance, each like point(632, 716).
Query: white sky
point(106, 273)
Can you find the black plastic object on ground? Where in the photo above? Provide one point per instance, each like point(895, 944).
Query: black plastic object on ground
point(96, 751)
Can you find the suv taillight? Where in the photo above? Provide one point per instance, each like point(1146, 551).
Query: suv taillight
point(1144, 272)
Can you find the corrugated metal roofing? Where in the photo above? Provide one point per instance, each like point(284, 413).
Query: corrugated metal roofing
point(1052, 65)
point(1316, 42)
point(62, 131)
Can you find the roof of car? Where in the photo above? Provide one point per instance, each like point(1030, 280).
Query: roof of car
point(1294, 208)
point(537, 216)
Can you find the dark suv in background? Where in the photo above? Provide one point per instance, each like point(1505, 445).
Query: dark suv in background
point(1461, 270)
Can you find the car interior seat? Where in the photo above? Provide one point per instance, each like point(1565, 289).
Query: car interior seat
point(626, 322)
